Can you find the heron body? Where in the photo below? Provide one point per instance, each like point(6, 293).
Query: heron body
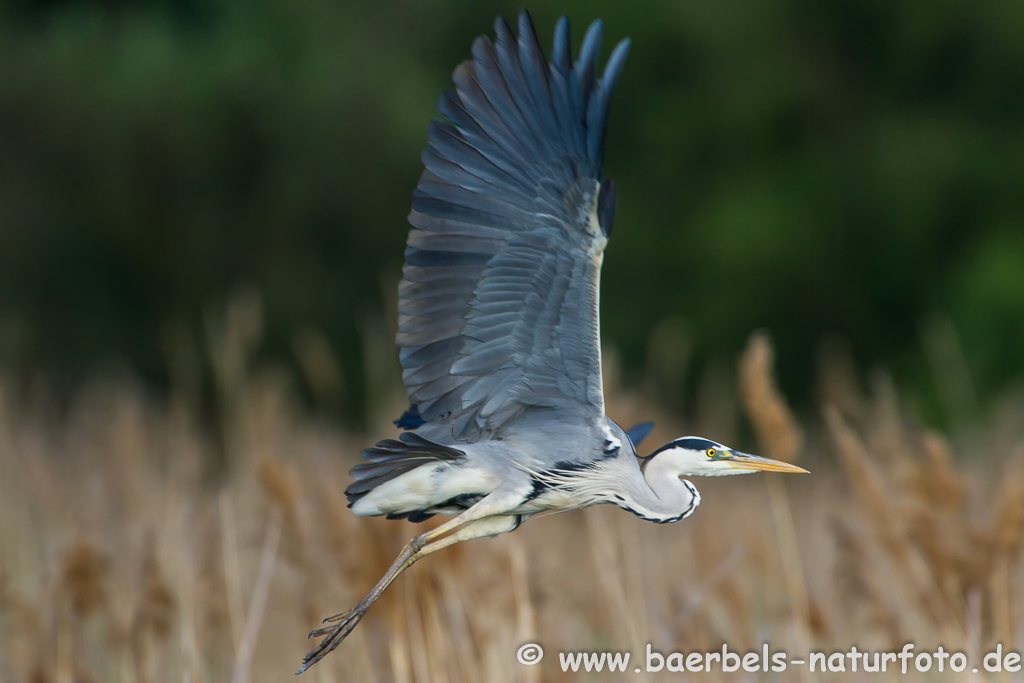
point(498, 329)
point(545, 468)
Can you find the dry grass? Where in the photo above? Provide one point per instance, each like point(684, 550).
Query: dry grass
point(120, 561)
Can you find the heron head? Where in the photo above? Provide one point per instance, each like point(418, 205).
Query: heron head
point(696, 456)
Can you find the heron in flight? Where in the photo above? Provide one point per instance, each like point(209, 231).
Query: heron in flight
point(498, 318)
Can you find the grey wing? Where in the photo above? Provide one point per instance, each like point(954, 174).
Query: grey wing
point(498, 307)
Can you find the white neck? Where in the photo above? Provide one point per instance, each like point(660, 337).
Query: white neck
point(657, 494)
point(665, 497)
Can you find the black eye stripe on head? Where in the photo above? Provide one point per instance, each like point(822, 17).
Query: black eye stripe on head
point(693, 443)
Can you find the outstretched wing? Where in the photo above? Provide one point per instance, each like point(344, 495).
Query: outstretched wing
point(498, 307)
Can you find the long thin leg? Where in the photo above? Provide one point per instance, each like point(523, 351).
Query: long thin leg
point(483, 519)
point(410, 553)
point(401, 563)
point(489, 526)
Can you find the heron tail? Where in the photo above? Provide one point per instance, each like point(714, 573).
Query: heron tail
point(391, 458)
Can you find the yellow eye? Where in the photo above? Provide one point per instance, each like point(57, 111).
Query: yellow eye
point(711, 452)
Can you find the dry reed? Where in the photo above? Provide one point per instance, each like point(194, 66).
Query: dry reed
point(119, 561)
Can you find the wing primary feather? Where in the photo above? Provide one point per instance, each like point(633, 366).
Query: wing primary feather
point(589, 50)
point(613, 69)
point(425, 203)
point(526, 82)
point(452, 172)
point(479, 106)
point(453, 146)
point(472, 133)
point(489, 75)
point(491, 202)
point(511, 69)
point(535, 71)
point(561, 54)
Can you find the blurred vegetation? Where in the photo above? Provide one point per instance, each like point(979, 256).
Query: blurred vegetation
point(846, 170)
point(119, 562)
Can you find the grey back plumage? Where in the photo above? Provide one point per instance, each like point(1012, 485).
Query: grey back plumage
point(498, 307)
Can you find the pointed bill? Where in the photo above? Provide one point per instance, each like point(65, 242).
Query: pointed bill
point(745, 461)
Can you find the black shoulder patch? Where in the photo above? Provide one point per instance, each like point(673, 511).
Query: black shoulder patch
point(541, 485)
point(410, 419)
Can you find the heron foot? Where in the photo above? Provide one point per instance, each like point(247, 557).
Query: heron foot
point(317, 632)
point(345, 622)
point(336, 617)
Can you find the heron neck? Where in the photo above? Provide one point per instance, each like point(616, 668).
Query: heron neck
point(666, 497)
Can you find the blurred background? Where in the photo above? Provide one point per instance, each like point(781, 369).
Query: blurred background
point(202, 222)
point(841, 173)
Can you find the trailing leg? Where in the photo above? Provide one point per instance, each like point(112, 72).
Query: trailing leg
point(483, 519)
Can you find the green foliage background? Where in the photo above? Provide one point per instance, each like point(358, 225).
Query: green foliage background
point(846, 169)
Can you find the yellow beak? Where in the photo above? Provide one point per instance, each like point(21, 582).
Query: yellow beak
point(745, 461)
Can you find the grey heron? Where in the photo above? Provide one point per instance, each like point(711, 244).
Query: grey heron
point(498, 318)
